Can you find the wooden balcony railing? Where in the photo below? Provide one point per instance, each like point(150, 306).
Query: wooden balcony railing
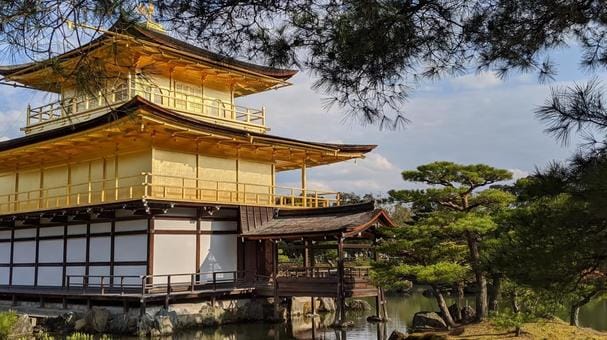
point(169, 188)
point(357, 273)
point(75, 109)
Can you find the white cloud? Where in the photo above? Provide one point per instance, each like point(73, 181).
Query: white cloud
point(373, 174)
point(476, 81)
point(518, 173)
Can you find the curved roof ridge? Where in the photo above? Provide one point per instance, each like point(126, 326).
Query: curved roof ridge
point(139, 32)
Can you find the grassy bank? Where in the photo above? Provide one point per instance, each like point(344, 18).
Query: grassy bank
point(545, 329)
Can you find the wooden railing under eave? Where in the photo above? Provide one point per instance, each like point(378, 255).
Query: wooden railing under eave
point(80, 108)
point(167, 188)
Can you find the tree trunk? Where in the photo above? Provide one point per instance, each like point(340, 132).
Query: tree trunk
point(574, 315)
point(496, 291)
point(514, 302)
point(442, 305)
point(461, 300)
point(481, 282)
point(574, 312)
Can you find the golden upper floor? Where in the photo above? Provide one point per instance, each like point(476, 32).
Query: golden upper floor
point(130, 60)
point(141, 150)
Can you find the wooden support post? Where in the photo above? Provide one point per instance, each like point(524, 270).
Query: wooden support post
point(64, 303)
point(384, 315)
point(378, 303)
point(378, 297)
point(304, 184)
point(274, 277)
point(341, 303)
point(168, 293)
point(142, 307)
point(306, 257)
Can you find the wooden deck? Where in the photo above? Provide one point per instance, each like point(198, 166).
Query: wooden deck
point(319, 282)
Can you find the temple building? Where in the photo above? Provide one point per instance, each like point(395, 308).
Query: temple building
point(156, 186)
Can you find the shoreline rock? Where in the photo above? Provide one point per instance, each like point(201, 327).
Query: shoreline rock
point(160, 322)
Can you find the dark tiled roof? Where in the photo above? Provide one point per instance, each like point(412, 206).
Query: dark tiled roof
point(139, 102)
point(140, 32)
point(347, 220)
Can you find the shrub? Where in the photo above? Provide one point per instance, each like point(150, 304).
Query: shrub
point(7, 321)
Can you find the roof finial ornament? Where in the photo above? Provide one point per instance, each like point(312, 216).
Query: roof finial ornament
point(147, 10)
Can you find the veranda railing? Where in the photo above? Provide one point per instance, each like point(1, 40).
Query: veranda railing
point(161, 187)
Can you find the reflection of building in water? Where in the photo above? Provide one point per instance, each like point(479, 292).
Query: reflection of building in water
point(146, 166)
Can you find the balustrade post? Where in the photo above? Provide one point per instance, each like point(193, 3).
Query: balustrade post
point(116, 187)
point(168, 293)
point(29, 114)
point(145, 185)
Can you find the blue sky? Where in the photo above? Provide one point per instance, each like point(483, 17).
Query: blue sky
point(474, 118)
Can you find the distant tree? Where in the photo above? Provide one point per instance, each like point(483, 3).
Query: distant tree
point(367, 56)
point(353, 198)
point(458, 200)
point(556, 239)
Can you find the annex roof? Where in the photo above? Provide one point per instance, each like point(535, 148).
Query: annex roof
point(347, 220)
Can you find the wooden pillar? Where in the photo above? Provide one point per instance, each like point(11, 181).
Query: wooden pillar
point(378, 300)
point(341, 308)
point(150, 257)
point(37, 254)
point(64, 257)
point(12, 257)
point(274, 277)
point(306, 257)
point(304, 184)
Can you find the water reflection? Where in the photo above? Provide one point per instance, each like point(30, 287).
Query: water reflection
point(400, 310)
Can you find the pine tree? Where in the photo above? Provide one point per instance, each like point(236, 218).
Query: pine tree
point(459, 201)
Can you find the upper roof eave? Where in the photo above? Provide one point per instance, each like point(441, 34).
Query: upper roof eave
point(137, 31)
point(140, 103)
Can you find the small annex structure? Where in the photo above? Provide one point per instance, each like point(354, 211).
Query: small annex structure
point(157, 187)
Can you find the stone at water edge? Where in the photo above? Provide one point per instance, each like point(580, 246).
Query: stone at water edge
point(428, 321)
point(326, 305)
point(164, 325)
point(343, 325)
point(97, 319)
point(145, 324)
point(375, 318)
point(358, 305)
point(23, 327)
point(80, 325)
point(396, 335)
point(453, 310)
point(63, 323)
point(468, 314)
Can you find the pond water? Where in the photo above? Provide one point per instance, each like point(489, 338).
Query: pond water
point(400, 311)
